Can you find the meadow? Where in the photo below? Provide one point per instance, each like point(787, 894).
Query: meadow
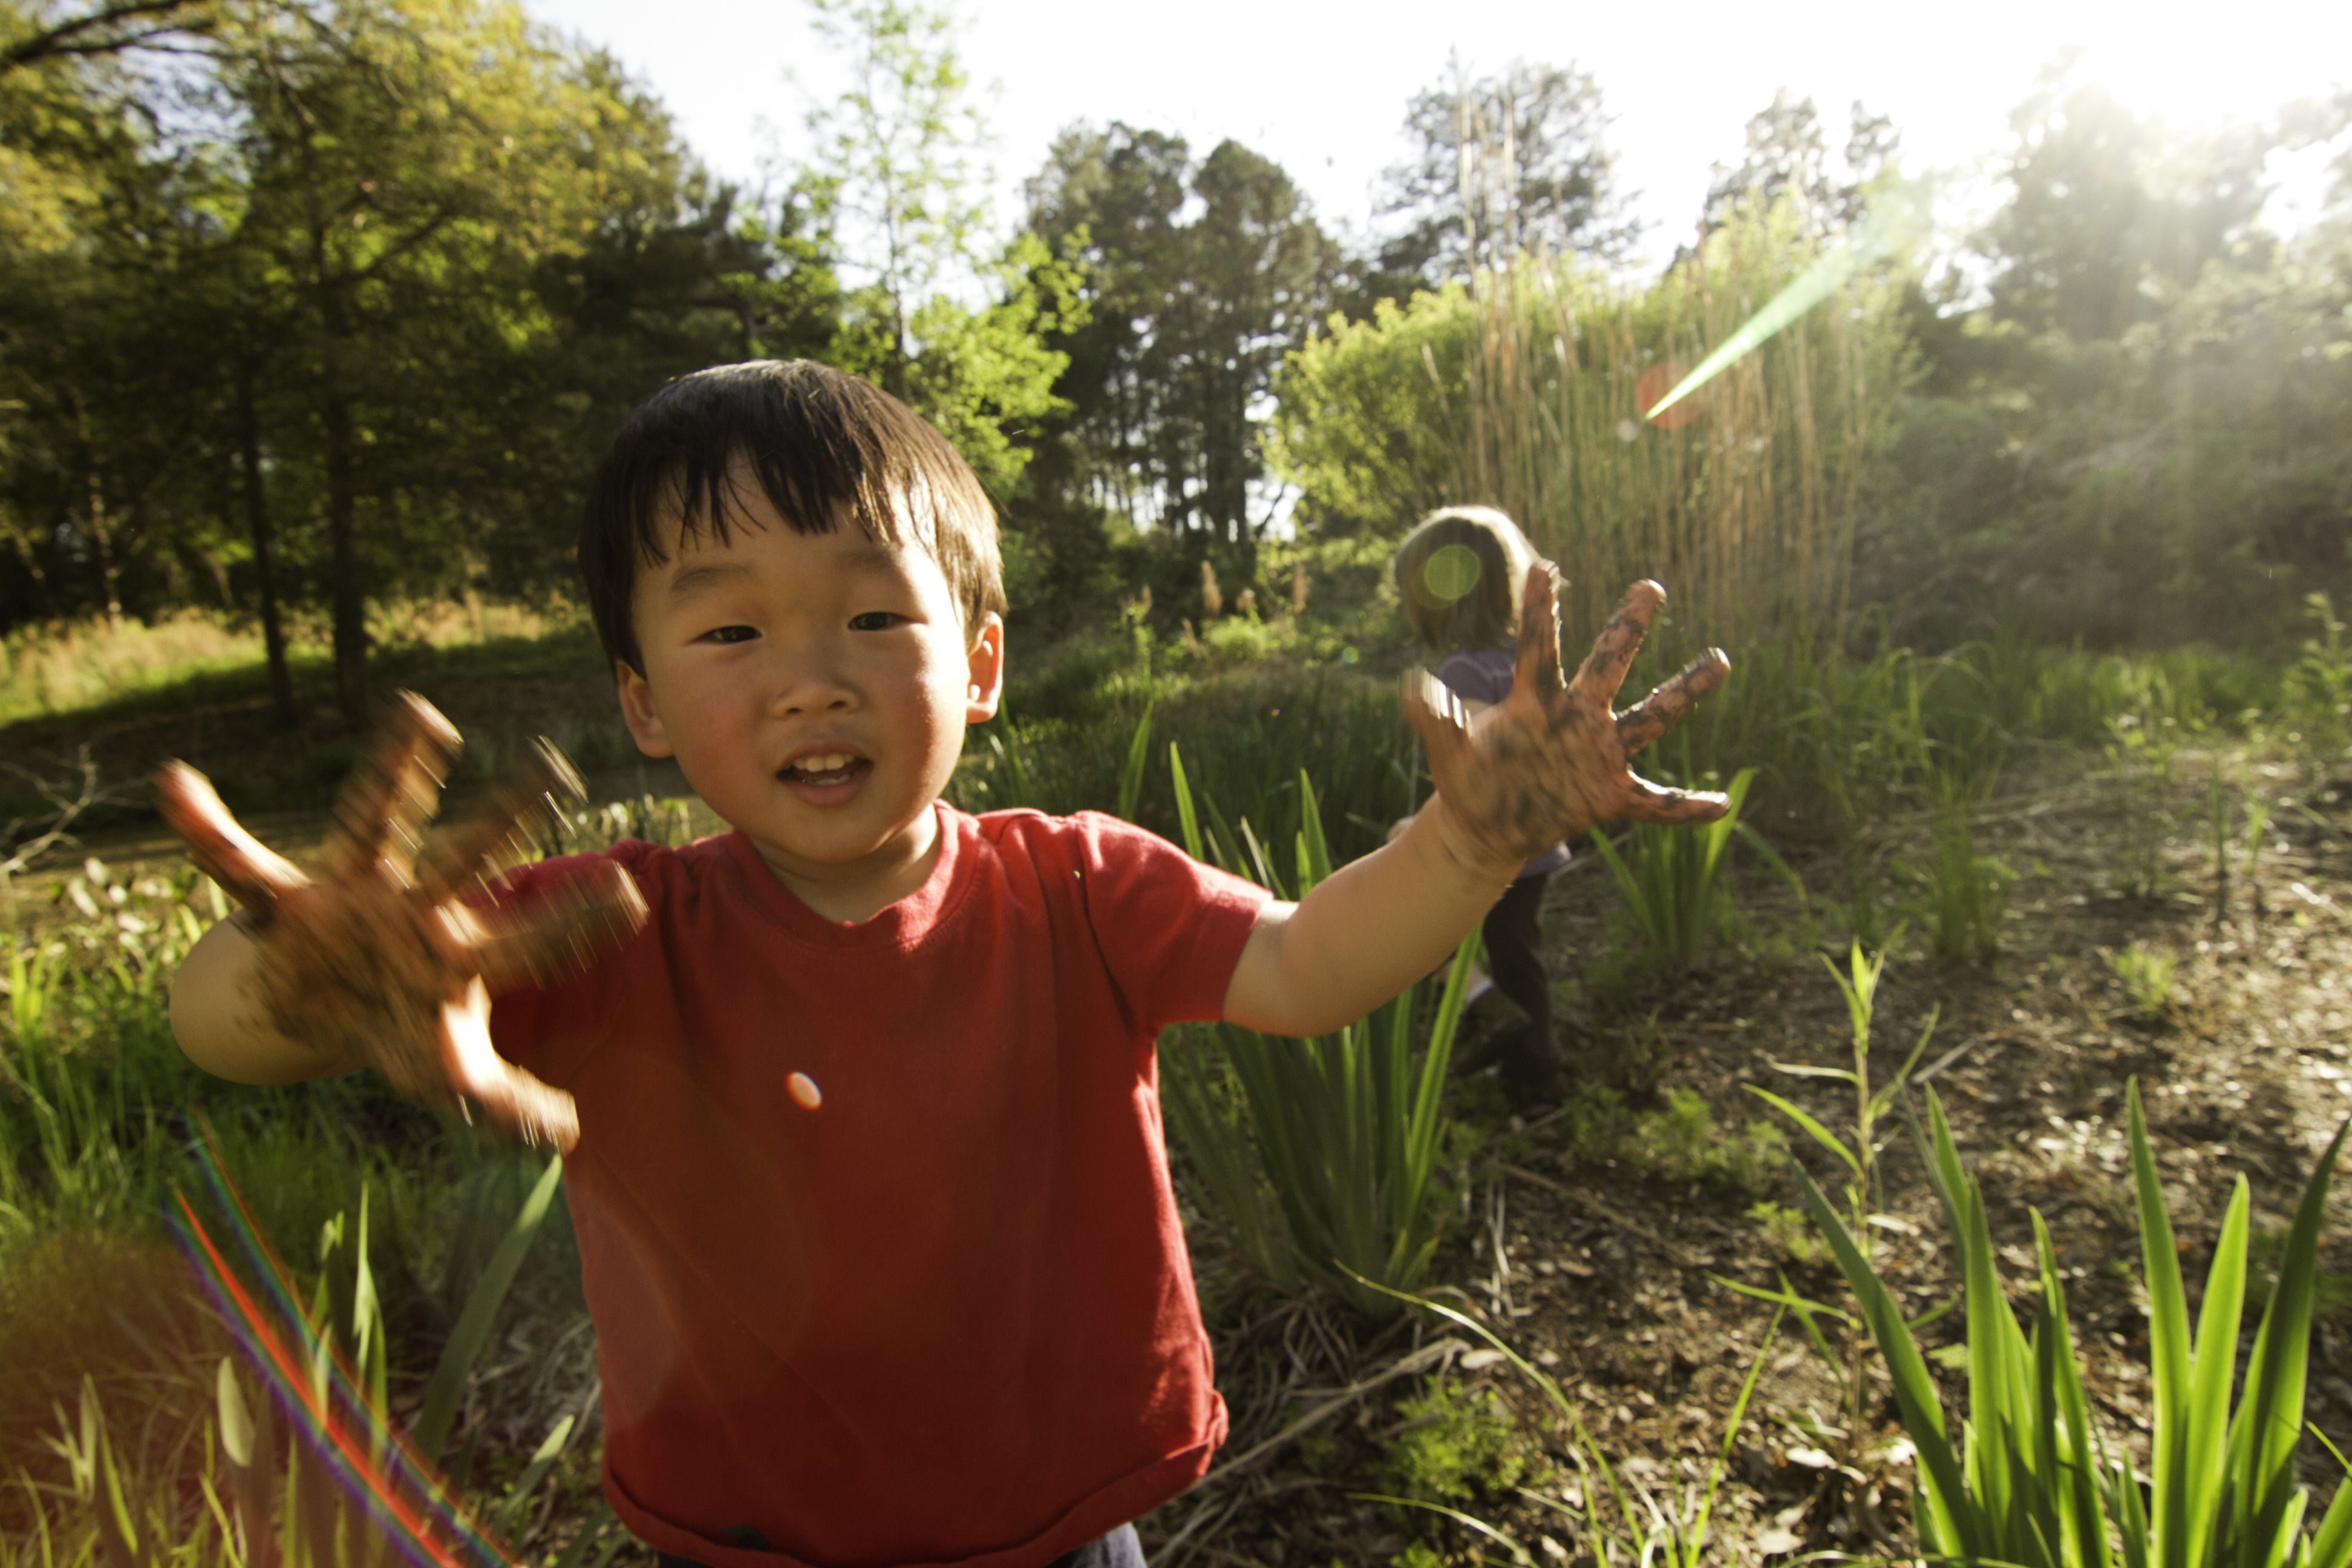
point(1450, 1329)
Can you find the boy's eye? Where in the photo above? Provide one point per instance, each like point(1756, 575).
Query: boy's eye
point(731, 634)
point(875, 621)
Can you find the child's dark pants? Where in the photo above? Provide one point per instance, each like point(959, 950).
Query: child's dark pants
point(1119, 1549)
point(1512, 932)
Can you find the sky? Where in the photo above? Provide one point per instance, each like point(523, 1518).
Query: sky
point(1322, 88)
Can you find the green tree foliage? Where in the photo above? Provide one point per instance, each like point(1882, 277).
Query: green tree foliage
point(897, 180)
point(2134, 437)
point(1200, 276)
point(347, 308)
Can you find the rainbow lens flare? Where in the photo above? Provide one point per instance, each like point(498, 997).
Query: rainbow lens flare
point(403, 1501)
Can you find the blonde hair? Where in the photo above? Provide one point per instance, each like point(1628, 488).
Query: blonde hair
point(1460, 573)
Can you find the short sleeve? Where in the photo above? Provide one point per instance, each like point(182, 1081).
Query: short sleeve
point(1478, 675)
point(1170, 928)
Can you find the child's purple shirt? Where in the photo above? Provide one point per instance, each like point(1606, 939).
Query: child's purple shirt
point(1484, 674)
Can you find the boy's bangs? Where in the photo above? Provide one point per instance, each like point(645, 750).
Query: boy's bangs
point(833, 473)
point(821, 445)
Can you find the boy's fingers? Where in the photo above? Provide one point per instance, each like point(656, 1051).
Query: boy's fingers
point(1671, 807)
point(1436, 715)
point(250, 871)
point(526, 801)
point(1671, 703)
point(1538, 665)
point(562, 933)
point(494, 1092)
point(380, 814)
point(1603, 670)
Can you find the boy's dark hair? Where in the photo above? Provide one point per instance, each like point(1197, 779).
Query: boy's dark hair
point(1460, 574)
point(822, 443)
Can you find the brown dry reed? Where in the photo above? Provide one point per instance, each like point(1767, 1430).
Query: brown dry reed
point(1516, 390)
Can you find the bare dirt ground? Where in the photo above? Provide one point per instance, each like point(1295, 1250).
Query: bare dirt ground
point(1602, 1274)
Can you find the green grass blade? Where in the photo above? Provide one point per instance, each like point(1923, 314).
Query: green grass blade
point(1138, 753)
point(431, 1433)
point(2084, 1519)
point(2213, 1367)
point(1814, 1130)
point(2331, 1543)
point(2277, 1375)
point(2168, 1357)
point(1957, 1517)
point(1185, 818)
point(1317, 862)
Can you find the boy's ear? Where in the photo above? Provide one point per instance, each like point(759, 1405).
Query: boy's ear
point(638, 713)
point(987, 687)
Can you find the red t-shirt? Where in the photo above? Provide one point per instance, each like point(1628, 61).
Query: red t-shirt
point(946, 1317)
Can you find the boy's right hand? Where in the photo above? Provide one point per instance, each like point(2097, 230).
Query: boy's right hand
point(381, 965)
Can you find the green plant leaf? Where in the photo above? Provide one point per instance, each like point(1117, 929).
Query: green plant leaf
point(1956, 1519)
point(1138, 751)
point(472, 1332)
point(1814, 1130)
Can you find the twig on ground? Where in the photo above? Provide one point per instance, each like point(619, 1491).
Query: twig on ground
point(1674, 1249)
point(25, 839)
point(1963, 1049)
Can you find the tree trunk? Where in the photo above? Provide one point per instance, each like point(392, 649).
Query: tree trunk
point(264, 566)
point(101, 533)
point(348, 597)
point(347, 593)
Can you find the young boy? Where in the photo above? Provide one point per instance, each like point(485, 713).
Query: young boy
point(873, 1208)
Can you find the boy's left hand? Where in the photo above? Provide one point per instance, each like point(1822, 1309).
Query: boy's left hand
point(1550, 760)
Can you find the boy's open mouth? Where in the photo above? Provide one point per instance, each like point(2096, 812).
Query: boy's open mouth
point(827, 771)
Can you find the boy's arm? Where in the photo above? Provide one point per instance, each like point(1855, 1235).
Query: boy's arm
point(221, 1024)
point(1541, 766)
point(381, 965)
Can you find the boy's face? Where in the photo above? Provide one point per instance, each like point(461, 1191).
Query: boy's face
point(814, 688)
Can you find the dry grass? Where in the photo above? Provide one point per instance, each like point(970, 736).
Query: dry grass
point(1524, 389)
point(59, 667)
point(64, 665)
point(1747, 510)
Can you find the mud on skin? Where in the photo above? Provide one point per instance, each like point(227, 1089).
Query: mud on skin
point(369, 966)
point(1550, 760)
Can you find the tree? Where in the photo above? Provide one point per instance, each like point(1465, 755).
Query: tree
point(118, 28)
point(1200, 277)
point(1501, 164)
point(406, 168)
point(894, 183)
point(1787, 159)
point(894, 163)
point(2107, 220)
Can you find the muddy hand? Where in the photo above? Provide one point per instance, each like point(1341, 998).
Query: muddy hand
point(380, 965)
point(1550, 760)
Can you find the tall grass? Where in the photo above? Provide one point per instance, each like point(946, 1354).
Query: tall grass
point(1519, 389)
point(1341, 1132)
point(1247, 736)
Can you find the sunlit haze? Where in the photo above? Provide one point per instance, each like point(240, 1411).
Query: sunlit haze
point(1323, 90)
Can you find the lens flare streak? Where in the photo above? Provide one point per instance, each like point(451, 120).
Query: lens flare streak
point(407, 1500)
point(1892, 226)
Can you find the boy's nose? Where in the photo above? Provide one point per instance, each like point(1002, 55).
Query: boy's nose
point(809, 684)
